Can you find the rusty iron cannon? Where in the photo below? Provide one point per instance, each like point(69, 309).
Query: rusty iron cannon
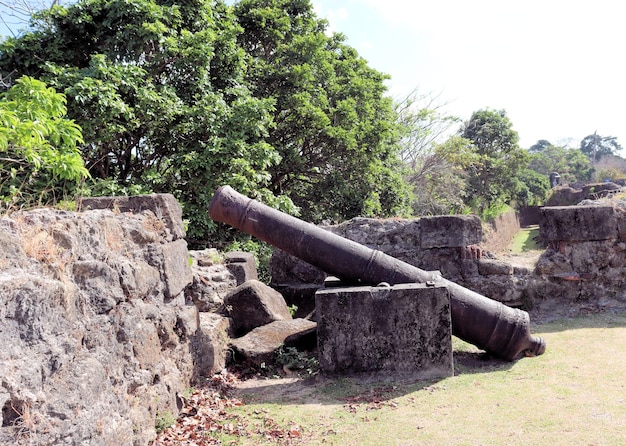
point(490, 325)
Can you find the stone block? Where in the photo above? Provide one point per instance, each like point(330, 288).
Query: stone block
point(176, 269)
point(210, 345)
point(450, 231)
point(163, 206)
point(403, 329)
point(287, 269)
point(242, 265)
point(489, 267)
point(577, 223)
point(260, 345)
point(254, 304)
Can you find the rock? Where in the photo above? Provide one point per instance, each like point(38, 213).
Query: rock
point(260, 345)
point(176, 269)
point(488, 267)
point(254, 304)
point(288, 269)
point(449, 231)
point(242, 265)
point(210, 345)
point(403, 329)
point(162, 206)
point(96, 331)
point(577, 223)
point(212, 280)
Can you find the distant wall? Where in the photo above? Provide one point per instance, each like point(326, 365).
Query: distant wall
point(451, 244)
point(500, 231)
point(529, 216)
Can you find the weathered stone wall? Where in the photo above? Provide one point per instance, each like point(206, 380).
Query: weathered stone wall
point(582, 269)
point(584, 266)
point(572, 194)
point(500, 231)
point(449, 244)
point(98, 337)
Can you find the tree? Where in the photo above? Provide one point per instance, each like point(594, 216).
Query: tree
point(532, 189)
point(439, 177)
point(424, 124)
point(159, 90)
point(182, 97)
point(335, 130)
point(40, 160)
point(571, 164)
point(539, 146)
point(492, 179)
point(596, 146)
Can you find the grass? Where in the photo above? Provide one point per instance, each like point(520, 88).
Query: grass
point(525, 240)
point(573, 394)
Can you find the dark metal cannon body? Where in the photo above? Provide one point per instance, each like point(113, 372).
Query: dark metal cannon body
point(490, 325)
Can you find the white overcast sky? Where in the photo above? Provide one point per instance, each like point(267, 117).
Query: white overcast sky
point(555, 66)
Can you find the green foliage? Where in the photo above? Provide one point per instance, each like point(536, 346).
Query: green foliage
point(334, 129)
point(185, 97)
point(493, 179)
point(296, 361)
point(164, 420)
point(532, 189)
point(596, 146)
point(261, 250)
point(609, 173)
point(40, 162)
point(571, 164)
point(97, 187)
point(439, 177)
point(160, 93)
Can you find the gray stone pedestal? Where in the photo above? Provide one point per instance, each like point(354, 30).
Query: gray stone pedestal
point(404, 329)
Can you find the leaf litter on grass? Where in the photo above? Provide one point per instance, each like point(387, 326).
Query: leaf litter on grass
point(207, 418)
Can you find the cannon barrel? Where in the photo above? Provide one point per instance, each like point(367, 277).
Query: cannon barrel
point(490, 325)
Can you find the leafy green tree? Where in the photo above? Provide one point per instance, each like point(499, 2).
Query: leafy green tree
point(493, 178)
point(596, 146)
point(335, 130)
point(159, 90)
point(439, 177)
point(532, 189)
point(539, 146)
point(571, 164)
point(40, 162)
point(182, 97)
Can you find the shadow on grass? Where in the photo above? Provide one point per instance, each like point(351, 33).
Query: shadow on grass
point(360, 389)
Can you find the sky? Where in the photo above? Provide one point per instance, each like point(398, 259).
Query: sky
point(556, 67)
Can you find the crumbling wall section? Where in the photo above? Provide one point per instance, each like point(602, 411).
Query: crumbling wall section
point(584, 266)
point(449, 244)
point(97, 334)
point(500, 231)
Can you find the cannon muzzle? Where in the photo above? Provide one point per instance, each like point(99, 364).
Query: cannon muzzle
point(490, 325)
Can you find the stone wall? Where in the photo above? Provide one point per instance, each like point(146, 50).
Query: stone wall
point(98, 336)
point(500, 231)
point(449, 244)
point(584, 267)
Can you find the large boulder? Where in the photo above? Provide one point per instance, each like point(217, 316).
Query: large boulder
point(260, 345)
point(253, 304)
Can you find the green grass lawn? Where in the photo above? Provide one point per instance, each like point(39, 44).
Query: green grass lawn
point(574, 394)
point(525, 240)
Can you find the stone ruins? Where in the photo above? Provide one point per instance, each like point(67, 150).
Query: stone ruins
point(106, 317)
